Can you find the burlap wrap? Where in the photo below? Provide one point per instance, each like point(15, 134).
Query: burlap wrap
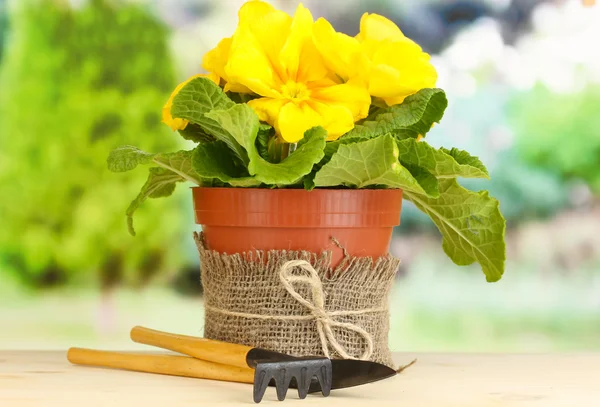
point(246, 302)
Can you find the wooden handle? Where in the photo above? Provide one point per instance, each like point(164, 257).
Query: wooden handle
point(205, 349)
point(162, 364)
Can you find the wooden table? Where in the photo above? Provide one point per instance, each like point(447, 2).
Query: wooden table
point(46, 379)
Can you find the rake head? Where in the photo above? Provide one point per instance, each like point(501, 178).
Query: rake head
point(299, 373)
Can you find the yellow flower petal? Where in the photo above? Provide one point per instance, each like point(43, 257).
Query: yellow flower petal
point(256, 44)
point(397, 69)
point(300, 33)
point(342, 53)
point(267, 109)
point(254, 10)
point(351, 95)
point(384, 81)
point(177, 123)
point(249, 66)
point(215, 61)
point(378, 28)
point(336, 119)
point(294, 119)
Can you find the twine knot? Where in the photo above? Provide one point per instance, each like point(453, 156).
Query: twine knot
point(323, 318)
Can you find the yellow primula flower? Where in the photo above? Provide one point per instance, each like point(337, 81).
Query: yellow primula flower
point(391, 65)
point(274, 56)
point(397, 67)
point(167, 118)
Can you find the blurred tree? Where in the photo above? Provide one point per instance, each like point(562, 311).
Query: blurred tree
point(559, 132)
point(3, 26)
point(77, 82)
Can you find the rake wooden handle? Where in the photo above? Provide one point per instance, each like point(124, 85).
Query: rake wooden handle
point(161, 364)
point(200, 348)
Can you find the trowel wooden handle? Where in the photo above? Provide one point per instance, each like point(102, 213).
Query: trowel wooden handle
point(200, 348)
point(161, 364)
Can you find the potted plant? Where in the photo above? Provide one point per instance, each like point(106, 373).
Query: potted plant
point(307, 141)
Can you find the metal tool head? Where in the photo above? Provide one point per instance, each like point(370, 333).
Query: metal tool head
point(350, 373)
point(302, 373)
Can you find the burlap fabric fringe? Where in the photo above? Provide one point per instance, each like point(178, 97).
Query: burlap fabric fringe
point(293, 302)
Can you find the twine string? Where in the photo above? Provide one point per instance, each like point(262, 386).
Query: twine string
point(316, 306)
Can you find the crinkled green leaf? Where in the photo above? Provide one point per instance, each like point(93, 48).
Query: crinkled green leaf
point(426, 180)
point(160, 183)
point(180, 163)
point(195, 133)
point(471, 225)
point(373, 163)
point(468, 164)
point(442, 163)
point(127, 158)
point(215, 160)
point(242, 121)
point(331, 148)
point(196, 100)
point(173, 168)
point(412, 117)
point(262, 140)
point(296, 165)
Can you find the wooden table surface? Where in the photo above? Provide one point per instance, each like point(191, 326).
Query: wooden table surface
point(46, 379)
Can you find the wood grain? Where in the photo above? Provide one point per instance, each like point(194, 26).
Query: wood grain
point(162, 364)
point(201, 348)
point(47, 379)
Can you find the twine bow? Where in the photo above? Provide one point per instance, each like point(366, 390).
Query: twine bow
point(324, 319)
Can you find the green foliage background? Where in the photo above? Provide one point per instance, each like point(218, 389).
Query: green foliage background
point(559, 132)
point(75, 84)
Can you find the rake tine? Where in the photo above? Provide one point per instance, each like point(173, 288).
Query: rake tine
point(261, 382)
point(303, 383)
point(282, 383)
point(325, 378)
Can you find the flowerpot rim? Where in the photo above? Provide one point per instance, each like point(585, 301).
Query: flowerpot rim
point(301, 190)
point(297, 208)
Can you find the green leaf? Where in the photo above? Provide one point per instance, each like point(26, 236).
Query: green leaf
point(471, 225)
point(296, 165)
point(174, 167)
point(180, 163)
point(214, 160)
point(442, 163)
point(411, 118)
point(127, 158)
point(195, 133)
point(241, 121)
point(373, 163)
point(160, 183)
point(195, 102)
point(468, 164)
point(265, 133)
point(331, 148)
point(426, 180)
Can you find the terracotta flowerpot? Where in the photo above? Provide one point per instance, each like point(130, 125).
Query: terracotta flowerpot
point(236, 220)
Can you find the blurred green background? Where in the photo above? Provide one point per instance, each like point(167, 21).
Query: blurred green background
point(80, 77)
